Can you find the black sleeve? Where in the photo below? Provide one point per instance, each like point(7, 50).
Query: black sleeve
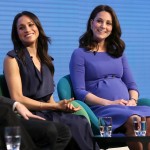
point(5, 100)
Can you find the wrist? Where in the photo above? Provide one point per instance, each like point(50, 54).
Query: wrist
point(108, 102)
point(15, 105)
point(136, 100)
point(54, 106)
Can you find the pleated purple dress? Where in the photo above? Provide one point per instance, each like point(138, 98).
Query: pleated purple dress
point(108, 78)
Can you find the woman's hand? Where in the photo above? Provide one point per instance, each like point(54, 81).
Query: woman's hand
point(65, 105)
point(131, 102)
point(120, 102)
point(124, 102)
point(25, 113)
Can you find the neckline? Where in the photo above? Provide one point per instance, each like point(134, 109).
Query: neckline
point(97, 51)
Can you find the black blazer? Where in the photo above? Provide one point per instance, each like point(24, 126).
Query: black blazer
point(8, 118)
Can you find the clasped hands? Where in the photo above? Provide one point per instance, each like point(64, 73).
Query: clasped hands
point(125, 102)
point(65, 105)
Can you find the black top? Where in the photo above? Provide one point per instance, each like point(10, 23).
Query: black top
point(35, 84)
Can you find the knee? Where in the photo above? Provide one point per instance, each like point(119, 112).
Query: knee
point(132, 118)
point(129, 127)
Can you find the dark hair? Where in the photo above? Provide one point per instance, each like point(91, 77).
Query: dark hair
point(114, 45)
point(43, 40)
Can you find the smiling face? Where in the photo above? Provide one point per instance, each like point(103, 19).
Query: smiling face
point(101, 26)
point(27, 31)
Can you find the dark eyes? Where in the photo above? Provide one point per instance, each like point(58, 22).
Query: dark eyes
point(109, 23)
point(102, 21)
point(99, 21)
point(22, 27)
point(32, 24)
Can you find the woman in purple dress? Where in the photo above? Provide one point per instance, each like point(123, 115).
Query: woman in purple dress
point(101, 76)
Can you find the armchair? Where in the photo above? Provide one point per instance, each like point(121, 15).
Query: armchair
point(65, 91)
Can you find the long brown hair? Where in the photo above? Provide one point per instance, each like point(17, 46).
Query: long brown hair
point(114, 44)
point(43, 40)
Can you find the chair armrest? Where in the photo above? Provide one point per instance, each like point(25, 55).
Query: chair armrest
point(80, 112)
point(143, 102)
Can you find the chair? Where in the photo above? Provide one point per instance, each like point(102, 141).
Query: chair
point(65, 91)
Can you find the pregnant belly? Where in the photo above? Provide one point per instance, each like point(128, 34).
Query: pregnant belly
point(111, 89)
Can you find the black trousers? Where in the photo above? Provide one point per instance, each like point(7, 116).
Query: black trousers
point(35, 134)
point(48, 134)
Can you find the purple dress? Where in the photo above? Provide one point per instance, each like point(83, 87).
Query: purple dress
point(105, 77)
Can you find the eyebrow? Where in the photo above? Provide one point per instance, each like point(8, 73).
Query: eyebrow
point(103, 19)
point(27, 23)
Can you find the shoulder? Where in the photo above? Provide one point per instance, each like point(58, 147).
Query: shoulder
point(12, 53)
point(10, 66)
point(79, 55)
point(79, 51)
point(10, 59)
point(124, 56)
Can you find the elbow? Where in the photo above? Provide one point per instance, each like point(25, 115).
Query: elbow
point(81, 95)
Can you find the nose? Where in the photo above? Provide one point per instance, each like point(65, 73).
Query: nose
point(26, 29)
point(103, 25)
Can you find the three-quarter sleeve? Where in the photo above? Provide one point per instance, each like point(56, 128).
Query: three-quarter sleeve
point(77, 74)
point(127, 77)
